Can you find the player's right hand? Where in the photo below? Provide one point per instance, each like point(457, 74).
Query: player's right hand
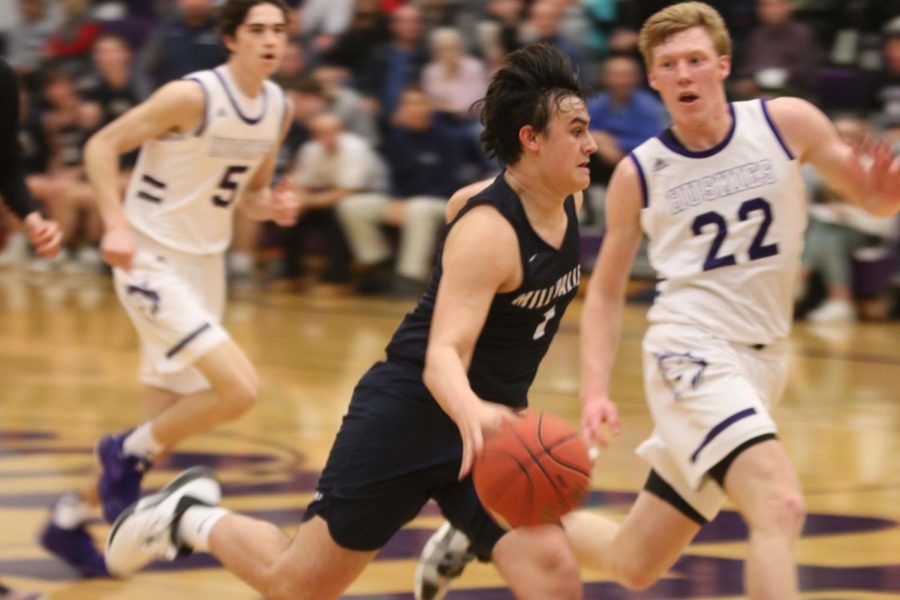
point(480, 421)
point(117, 247)
point(594, 413)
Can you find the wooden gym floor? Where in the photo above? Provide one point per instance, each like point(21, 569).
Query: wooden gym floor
point(68, 358)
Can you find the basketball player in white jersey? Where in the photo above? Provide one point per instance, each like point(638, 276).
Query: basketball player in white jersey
point(208, 145)
point(720, 197)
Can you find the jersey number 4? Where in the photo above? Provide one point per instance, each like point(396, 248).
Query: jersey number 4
point(229, 185)
point(757, 248)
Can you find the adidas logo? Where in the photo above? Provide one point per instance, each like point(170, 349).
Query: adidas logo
point(660, 164)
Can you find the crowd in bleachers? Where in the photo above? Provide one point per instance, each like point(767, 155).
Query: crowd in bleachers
point(384, 128)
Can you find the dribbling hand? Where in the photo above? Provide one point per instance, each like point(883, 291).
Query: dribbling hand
point(594, 413)
point(475, 425)
point(117, 247)
point(285, 206)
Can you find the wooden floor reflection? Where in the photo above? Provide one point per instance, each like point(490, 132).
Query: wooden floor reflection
point(68, 359)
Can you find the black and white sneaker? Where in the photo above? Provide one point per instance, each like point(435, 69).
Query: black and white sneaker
point(444, 558)
point(146, 530)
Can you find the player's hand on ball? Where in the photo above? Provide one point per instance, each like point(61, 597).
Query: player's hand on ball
point(481, 420)
point(117, 247)
point(595, 413)
point(285, 205)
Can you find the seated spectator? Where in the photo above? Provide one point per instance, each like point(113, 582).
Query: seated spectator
point(397, 64)
point(545, 25)
point(781, 54)
point(67, 123)
point(885, 102)
point(331, 167)
point(424, 159)
point(323, 23)
point(368, 28)
point(453, 80)
point(498, 31)
point(181, 45)
point(293, 64)
point(623, 115)
point(25, 44)
point(346, 102)
point(68, 48)
point(836, 230)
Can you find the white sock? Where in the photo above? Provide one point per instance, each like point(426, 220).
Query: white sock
point(70, 511)
point(142, 443)
point(197, 523)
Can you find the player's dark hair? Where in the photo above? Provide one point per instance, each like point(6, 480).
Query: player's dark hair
point(234, 12)
point(527, 90)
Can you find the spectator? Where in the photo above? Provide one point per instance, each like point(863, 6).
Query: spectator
point(836, 230)
point(498, 31)
point(346, 102)
point(781, 53)
point(293, 64)
point(425, 161)
point(885, 102)
point(69, 46)
point(453, 80)
point(368, 28)
point(182, 45)
point(331, 167)
point(112, 91)
point(544, 25)
point(26, 42)
point(623, 115)
point(67, 123)
point(324, 21)
point(397, 64)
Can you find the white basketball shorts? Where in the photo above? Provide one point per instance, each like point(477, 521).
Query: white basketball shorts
point(707, 396)
point(175, 301)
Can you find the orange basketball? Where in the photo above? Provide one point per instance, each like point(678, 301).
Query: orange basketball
point(533, 471)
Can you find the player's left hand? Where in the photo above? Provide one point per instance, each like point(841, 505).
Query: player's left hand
point(45, 236)
point(285, 206)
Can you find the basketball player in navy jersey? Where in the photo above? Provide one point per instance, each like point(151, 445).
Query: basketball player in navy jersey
point(457, 367)
point(44, 235)
point(720, 197)
point(208, 145)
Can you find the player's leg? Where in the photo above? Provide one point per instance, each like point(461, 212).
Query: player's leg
point(537, 562)
point(764, 485)
point(636, 552)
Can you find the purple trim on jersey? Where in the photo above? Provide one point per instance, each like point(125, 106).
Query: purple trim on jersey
point(645, 197)
point(187, 340)
point(672, 143)
point(202, 127)
point(765, 109)
point(715, 431)
point(234, 104)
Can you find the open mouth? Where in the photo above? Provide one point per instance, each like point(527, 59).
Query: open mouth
point(688, 98)
point(269, 56)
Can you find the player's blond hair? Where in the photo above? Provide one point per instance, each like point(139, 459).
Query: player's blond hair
point(680, 17)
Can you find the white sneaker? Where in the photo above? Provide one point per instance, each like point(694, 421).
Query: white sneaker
point(833, 311)
point(146, 530)
point(444, 558)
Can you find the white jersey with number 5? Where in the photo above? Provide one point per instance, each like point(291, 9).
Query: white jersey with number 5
point(726, 228)
point(185, 186)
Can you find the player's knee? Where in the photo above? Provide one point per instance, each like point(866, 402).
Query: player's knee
point(786, 514)
point(560, 568)
point(241, 396)
point(636, 576)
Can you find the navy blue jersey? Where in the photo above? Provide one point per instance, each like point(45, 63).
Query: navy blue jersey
point(520, 324)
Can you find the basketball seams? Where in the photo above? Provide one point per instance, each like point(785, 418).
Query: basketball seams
point(537, 461)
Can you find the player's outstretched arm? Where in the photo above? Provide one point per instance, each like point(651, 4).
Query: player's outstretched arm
point(177, 106)
point(481, 257)
point(601, 318)
point(261, 202)
point(868, 175)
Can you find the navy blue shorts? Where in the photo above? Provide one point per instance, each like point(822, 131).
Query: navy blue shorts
point(396, 449)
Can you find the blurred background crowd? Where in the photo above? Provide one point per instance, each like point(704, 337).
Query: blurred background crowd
point(384, 130)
